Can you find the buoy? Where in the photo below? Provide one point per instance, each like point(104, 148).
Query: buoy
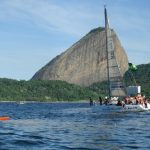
point(4, 118)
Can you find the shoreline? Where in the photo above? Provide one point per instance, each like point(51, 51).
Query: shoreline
point(20, 102)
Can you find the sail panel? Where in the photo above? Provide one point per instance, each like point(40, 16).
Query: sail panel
point(117, 87)
point(118, 93)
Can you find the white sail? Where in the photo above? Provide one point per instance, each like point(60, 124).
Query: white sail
point(115, 79)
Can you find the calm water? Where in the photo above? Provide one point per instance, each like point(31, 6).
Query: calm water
point(72, 126)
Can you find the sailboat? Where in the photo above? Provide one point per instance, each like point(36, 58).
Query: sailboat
point(116, 86)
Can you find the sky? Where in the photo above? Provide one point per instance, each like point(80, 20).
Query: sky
point(33, 32)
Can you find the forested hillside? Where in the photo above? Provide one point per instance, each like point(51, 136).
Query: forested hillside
point(39, 90)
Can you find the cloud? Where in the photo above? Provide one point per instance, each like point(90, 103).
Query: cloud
point(72, 18)
point(48, 15)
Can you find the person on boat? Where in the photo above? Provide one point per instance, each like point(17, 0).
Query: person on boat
point(106, 100)
point(131, 100)
point(140, 97)
point(91, 101)
point(119, 103)
point(145, 102)
point(100, 100)
point(126, 100)
point(137, 100)
point(123, 104)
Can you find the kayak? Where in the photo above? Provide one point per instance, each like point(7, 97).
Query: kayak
point(4, 118)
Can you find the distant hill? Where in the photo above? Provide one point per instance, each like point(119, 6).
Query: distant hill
point(84, 63)
point(42, 90)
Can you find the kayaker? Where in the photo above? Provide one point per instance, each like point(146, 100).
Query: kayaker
point(100, 100)
point(91, 101)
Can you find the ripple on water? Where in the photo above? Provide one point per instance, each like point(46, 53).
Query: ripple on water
point(24, 142)
point(44, 126)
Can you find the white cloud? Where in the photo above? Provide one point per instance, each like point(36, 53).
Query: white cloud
point(49, 16)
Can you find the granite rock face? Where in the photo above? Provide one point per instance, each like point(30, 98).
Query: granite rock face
point(84, 62)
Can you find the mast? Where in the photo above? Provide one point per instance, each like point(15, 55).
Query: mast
point(115, 78)
point(106, 33)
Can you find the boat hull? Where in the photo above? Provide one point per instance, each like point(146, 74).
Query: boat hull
point(113, 102)
point(135, 107)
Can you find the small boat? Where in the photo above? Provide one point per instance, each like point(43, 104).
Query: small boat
point(116, 86)
point(21, 102)
point(4, 118)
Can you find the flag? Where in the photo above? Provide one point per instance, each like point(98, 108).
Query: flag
point(132, 67)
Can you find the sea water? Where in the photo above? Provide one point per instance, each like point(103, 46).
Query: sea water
point(72, 126)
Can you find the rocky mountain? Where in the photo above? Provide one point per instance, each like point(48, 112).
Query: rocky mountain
point(84, 63)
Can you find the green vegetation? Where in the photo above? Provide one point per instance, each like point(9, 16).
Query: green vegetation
point(38, 90)
point(96, 29)
point(142, 78)
point(100, 88)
